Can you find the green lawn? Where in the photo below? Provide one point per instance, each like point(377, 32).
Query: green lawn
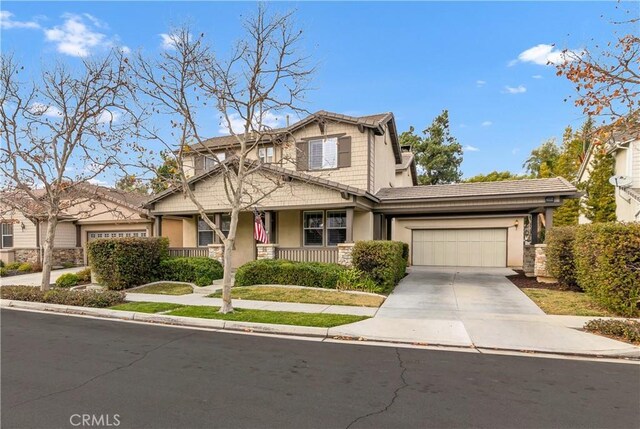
point(565, 303)
point(146, 307)
point(241, 315)
point(165, 289)
point(302, 295)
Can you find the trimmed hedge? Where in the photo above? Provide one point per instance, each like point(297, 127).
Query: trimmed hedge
point(67, 280)
point(627, 330)
point(199, 270)
point(385, 262)
point(560, 258)
point(98, 299)
point(126, 262)
point(607, 259)
point(284, 272)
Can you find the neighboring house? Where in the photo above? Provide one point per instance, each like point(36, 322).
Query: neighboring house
point(349, 179)
point(625, 149)
point(107, 213)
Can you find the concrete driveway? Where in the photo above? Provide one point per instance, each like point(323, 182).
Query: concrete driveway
point(481, 308)
point(34, 279)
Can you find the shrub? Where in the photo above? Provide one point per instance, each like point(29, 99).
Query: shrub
point(354, 279)
point(4, 272)
point(25, 267)
point(1, 263)
point(84, 276)
point(560, 258)
point(99, 299)
point(67, 280)
point(284, 272)
point(13, 266)
point(383, 261)
point(120, 263)
point(608, 265)
point(625, 329)
point(201, 271)
point(68, 265)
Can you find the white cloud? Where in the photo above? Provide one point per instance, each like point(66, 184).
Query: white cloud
point(537, 76)
point(269, 120)
point(98, 182)
point(81, 36)
point(544, 54)
point(469, 148)
point(168, 41)
point(486, 123)
point(41, 109)
point(481, 83)
point(7, 22)
point(108, 116)
point(515, 90)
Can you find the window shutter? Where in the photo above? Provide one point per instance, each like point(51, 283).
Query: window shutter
point(302, 156)
point(344, 152)
point(199, 164)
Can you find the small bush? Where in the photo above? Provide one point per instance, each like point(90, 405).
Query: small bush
point(4, 272)
point(383, 261)
point(98, 299)
point(84, 276)
point(628, 330)
point(25, 267)
point(13, 266)
point(68, 265)
point(284, 272)
point(354, 279)
point(201, 271)
point(36, 267)
point(607, 259)
point(1, 263)
point(121, 263)
point(67, 280)
point(560, 258)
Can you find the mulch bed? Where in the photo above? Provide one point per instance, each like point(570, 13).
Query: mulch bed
point(523, 282)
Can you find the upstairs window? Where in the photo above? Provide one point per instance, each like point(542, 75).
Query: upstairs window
point(323, 154)
point(210, 161)
point(265, 154)
point(7, 235)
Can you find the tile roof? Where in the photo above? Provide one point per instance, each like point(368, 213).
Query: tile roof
point(556, 185)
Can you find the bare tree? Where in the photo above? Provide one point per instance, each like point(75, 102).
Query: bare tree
point(60, 132)
point(264, 76)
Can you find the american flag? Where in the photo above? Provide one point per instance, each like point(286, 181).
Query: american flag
point(259, 233)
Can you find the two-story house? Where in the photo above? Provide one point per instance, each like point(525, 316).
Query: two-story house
point(625, 149)
point(348, 179)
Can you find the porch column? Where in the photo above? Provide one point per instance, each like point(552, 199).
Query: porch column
point(157, 226)
point(349, 238)
point(548, 218)
point(217, 219)
point(268, 222)
point(534, 228)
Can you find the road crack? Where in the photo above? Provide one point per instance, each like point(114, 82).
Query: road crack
point(111, 371)
point(396, 392)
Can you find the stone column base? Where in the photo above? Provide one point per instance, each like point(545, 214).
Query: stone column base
point(344, 254)
point(529, 260)
point(266, 251)
point(540, 270)
point(216, 251)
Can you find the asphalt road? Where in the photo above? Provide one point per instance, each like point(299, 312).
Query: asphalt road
point(57, 368)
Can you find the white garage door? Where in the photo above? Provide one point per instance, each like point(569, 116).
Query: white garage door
point(116, 234)
point(460, 247)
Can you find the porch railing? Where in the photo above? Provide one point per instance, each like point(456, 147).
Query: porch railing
point(300, 254)
point(188, 252)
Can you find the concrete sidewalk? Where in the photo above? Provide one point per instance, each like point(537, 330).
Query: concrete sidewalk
point(199, 299)
point(34, 279)
point(477, 308)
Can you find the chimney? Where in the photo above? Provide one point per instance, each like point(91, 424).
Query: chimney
point(287, 120)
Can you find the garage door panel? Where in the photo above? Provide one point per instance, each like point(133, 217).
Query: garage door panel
point(460, 247)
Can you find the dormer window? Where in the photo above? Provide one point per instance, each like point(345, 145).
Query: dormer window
point(210, 161)
point(265, 154)
point(323, 154)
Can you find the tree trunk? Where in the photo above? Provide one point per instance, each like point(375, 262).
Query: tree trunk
point(47, 259)
point(227, 306)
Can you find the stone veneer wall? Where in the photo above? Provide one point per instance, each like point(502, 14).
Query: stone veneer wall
point(216, 251)
point(529, 260)
point(540, 270)
point(266, 251)
point(344, 254)
point(26, 255)
point(61, 256)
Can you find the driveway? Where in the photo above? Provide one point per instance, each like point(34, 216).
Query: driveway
point(34, 279)
point(471, 307)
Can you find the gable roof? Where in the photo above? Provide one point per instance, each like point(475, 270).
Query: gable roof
point(557, 186)
point(298, 175)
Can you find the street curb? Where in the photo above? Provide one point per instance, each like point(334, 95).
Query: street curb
point(267, 328)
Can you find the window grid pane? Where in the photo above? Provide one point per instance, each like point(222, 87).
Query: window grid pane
point(336, 228)
point(313, 226)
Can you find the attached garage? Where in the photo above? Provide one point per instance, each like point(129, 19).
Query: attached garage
point(486, 247)
point(93, 235)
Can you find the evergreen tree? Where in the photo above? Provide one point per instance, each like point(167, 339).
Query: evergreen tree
point(130, 183)
point(541, 163)
point(165, 174)
point(496, 176)
point(438, 154)
point(600, 202)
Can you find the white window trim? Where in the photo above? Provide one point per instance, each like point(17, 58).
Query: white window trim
point(3, 235)
point(324, 143)
point(266, 154)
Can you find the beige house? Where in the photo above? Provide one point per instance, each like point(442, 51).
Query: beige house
point(625, 149)
point(108, 213)
point(347, 179)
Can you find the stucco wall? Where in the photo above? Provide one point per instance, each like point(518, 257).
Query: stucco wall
point(190, 233)
point(403, 178)
point(289, 230)
point(362, 226)
point(385, 163)
point(401, 230)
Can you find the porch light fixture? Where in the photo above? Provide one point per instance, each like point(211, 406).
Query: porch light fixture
point(516, 223)
point(22, 225)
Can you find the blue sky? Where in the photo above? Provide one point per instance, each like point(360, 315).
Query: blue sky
point(414, 59)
